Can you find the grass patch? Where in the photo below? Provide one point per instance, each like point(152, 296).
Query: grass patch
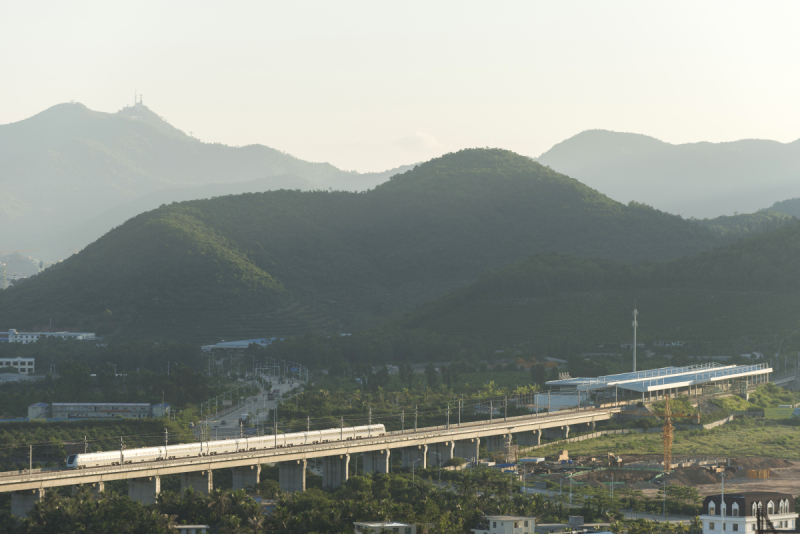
point(767, 439)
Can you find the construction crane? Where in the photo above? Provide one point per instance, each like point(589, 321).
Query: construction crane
point(667, 437)
point(763, 524)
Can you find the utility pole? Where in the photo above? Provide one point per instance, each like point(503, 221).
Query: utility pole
point(491, 411)
point(85, 445)
point(448, 416)
point(341, 426)
point(416, 414)
point(505, 406)
point(403, 422)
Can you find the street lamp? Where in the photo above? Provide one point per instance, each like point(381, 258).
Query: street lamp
point(413, 472)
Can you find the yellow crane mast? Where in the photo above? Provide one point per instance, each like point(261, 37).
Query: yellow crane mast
point(667, 437)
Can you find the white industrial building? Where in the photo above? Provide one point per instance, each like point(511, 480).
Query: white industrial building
point(665, 382)
point(382, 527)
point(507, 524)
point(12, 336)
point(25, 366)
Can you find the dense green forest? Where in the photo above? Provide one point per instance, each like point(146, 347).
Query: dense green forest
point(455, 508)
point(289, 262)
point(729, 301)
point(742, 297)
point(747, 224)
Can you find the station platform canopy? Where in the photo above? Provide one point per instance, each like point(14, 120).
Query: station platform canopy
point(664, 378)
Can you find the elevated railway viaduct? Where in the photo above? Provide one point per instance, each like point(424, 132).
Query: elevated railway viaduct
point(416, 448)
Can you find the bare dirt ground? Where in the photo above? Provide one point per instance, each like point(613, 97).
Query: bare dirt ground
point(784, 476)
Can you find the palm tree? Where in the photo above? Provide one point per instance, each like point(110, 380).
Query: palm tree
point(696, 525)
point(616, 527)
point(256, 521)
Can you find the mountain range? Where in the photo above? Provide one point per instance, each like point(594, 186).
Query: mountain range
point(68, 173)
point(290, 262)
point(701, 180)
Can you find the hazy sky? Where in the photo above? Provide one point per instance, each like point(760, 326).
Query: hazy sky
point(371, 85)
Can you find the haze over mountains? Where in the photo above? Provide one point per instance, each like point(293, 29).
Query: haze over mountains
point(290, 262)
point(702, 180)
point(67, 165)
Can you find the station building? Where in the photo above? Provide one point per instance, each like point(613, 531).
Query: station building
point(656, 384)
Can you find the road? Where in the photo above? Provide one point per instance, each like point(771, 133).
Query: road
point(226, 424)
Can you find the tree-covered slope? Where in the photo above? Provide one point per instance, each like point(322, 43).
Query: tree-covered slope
point(745, 295)
point(289, 262)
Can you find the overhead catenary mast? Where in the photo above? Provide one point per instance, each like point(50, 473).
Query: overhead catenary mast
point(635, 324)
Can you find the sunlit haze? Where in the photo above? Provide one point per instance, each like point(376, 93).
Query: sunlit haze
point(368, 86)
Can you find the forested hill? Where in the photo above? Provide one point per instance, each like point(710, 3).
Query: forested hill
point(68, 163)
point(746, 295)
point(288, 262)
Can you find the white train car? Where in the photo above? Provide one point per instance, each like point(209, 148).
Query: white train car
point(227, 446)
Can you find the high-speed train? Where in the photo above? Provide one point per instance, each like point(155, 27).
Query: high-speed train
point(210, 448)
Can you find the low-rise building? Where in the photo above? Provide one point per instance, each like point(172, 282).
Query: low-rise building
point(25, 366)
point(40, 410)
point(106, 410)
point(740, 511)
point(193, 529)
point(507, 524)
point(379, 527)
point(12, 336)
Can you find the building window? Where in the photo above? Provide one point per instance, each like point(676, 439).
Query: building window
point(526, 523)
point(735, 527)
point(770, 508)
point(712, 510)
point(711, 526)
point(494, 524)
point(735, 510)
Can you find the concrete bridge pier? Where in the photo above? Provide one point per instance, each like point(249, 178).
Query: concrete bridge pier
point(529, 438)
point(22, 502)
point(248, 475)
point(292, 475)
point(496, 443)
point(469, 449)
point(439, 453)
point(588, 427)
point(410, 455)
point(377, 461)
point(558, 432)
point(200, 481)
point(96, 488)
point(144, 490)
point(335, 470)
